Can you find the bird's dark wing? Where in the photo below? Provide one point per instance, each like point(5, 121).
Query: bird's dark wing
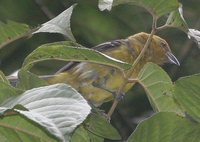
point(108, 45)
point(101, 48)
point(68, 66)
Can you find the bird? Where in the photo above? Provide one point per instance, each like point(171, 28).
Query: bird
point(98, 83)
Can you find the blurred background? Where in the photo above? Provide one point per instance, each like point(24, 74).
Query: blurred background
point(91, 27)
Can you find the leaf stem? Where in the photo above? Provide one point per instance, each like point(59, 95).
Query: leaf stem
point(128, 75)
point(162, 27)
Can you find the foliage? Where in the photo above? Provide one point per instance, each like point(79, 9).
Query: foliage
point(69, 51)
point(35, 111)
point(11, 32)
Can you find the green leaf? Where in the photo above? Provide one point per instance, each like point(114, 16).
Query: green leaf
point(16, 128)
point(95, 138)
point(176, 20)
point(69, 51)
point(157, 8)
point(80, 135)
point(12, 31)
point(159, 88)
point(29, 80)
point(166, 127)
point(7, 91)
point(58, 108)
point(83, 135)
point(101, 127)
point(3, 78)
point(59, 24)
point(187, 93)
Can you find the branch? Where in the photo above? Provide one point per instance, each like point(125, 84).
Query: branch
point(45, 9)
point(162, 27)
point(126, 78)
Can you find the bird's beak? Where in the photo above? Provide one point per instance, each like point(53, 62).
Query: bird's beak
point(172, 59)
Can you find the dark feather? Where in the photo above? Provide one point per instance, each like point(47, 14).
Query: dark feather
point(108, 45)
point(68, 66)
point(101, 48)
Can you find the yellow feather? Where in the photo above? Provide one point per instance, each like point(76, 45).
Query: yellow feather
point(96, 82)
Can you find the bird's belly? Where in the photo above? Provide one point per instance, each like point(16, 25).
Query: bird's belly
point(104, 87)
point(95, 82)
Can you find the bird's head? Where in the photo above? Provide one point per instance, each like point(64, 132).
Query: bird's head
point(158, 52)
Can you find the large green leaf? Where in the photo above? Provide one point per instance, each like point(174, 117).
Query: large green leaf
point(12, 31)
point(166, 127)
point(81, 134)
point(95, 138)
point(69, 51)
point(187, 93)
point(3, 78)
point(157, 8)
point(59, 24)
point(176, 20)
point(16, 128)
point(29, 80)
point(159, 88)
point(98, 125)
point(7, 91)
point(57, 108)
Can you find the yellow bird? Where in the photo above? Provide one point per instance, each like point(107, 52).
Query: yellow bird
point(97, 83)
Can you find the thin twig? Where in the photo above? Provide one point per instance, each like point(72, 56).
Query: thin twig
point(45, 9)
point(132, 80)
point(162, 27)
